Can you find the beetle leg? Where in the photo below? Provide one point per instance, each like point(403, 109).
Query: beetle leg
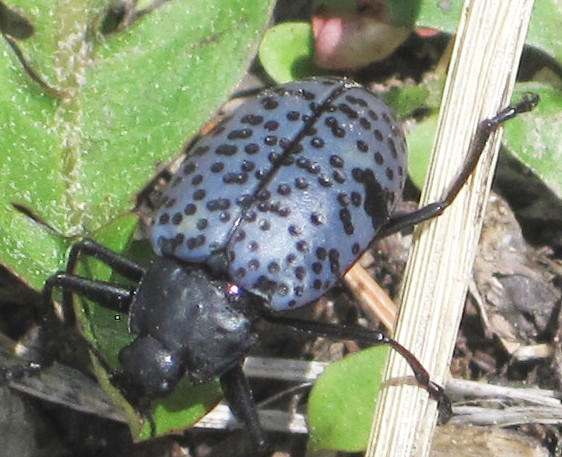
point(115, 296)
point(371, 337)
point(485, 129)
point(239, 397)
point(117, 262)
point(111, 295)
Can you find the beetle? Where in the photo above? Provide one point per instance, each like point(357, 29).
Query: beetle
point(265, 214)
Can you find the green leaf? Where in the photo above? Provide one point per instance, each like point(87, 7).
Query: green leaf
point(132, 99)
point(420, 142)
point(534, 138)
point(406, 100)
point(403, 12)
point(342, 403)
point(443, 16)
point(287, 52)
point(544, 29)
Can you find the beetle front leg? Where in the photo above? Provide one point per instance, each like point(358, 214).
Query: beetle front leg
point(109, 294)
point(117, 262)
point(115, 296)
point(87, 247)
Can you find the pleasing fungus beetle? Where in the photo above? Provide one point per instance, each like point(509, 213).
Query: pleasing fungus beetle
point(266, 213)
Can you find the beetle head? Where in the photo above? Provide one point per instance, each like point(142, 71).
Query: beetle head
point(149, 370)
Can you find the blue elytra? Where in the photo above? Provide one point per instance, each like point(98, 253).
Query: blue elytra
point(285, 194)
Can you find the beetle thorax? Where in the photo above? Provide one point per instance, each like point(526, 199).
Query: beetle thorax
point(185, 321)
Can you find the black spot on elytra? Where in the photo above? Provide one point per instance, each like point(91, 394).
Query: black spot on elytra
point(375, 202)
